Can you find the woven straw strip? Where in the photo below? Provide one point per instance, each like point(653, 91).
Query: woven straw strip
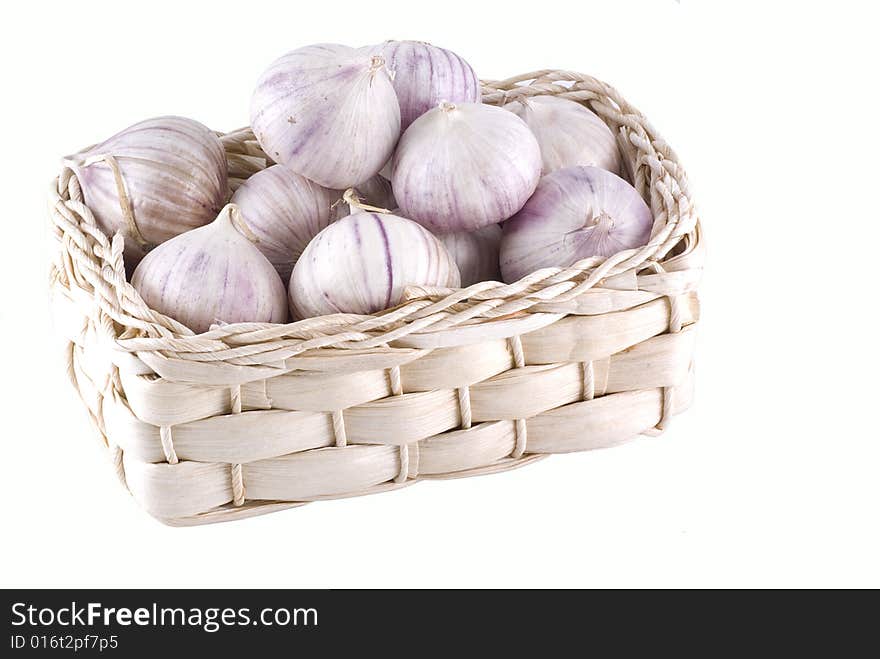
point(517, 352)
point(339, 428)
point(518, 362)
point(238, 492)
point(521, 437)
point(116, 458)
point(666, 413)
point(404, 464)
point(589, 380)
point(168, 445)
point(235, 399)
point(238, 489)
point(394, 380)
point(464, 405)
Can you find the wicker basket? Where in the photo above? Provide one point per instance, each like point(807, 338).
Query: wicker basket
point(250, 418)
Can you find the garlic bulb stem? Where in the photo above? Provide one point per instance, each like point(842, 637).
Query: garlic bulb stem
point(237, 221)
point(603, 221)
point(354, 201)
point(376, 63)
point(121, 191)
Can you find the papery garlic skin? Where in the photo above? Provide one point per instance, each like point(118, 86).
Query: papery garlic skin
point(476, 253)
point(568, 134)
point(462, 167)
point(284, 211)
point(362, 264)
point(575, 213)
point(425, 75)
point(328, 112)
point(173, 172)
point(210, 275)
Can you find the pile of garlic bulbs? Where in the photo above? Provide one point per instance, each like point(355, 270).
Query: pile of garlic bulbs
point(389, 173)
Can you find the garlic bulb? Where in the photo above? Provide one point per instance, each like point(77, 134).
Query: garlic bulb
point(462, 167)
point(285, 211)
point(212, 274)
point(576, 213)
point(425, 75)
point(568, 133)
point(153, 181)
point(362, 264)
point(475, 253)
point(328, 112)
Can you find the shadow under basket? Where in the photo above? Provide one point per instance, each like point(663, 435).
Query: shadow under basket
point(251, 418)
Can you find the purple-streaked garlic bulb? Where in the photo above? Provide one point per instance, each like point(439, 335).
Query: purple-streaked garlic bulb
point(213, 274)
point(576, 213)
point(425, 75)
point(153, 181)
point(461, 167)
point(328, 112)
point(362, 264)
point(475, 253)
point(568, 133)
point(284, 211)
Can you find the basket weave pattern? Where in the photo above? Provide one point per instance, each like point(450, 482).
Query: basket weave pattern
point(251, 417)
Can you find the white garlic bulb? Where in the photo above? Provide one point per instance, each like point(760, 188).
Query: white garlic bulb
point(475, 253)
point(285, 211)
point(568, 133)
point(462, 167)
point(576, 212)
point(425, 75)
point(212, 274)
point(153, 181)
point(328, 112)
point(362, 264)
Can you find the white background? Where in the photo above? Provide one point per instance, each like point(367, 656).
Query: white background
point(771, 479)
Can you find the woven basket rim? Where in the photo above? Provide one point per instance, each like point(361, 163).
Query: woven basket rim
point(90, 263)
